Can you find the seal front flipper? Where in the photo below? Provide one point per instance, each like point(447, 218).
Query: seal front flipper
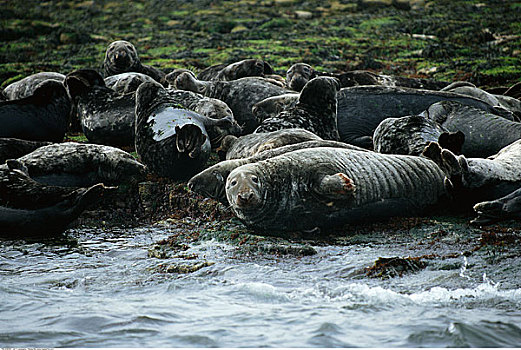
point(336, 186)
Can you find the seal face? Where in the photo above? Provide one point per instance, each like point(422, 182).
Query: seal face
point(43, 116)
point(315, 111)
point(26, 86)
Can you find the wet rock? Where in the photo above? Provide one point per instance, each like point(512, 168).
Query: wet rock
point(396, 266)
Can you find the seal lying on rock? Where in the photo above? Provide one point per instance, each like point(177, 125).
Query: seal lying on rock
point(272, 106)
point(485, 133)
point(300, 73)
point(121, 57)
point(30, 208)
point(26, 86)
point(43, 116)
point(106, 116)
point(75, 164)
point(125, 83)
point(315, 111)
point(240, 95)
point(241, 69)
point(411, 134)
point(251, 144)
point(210, 182)
point(504, 208)
point(361, 108)
point(325, 187)
point(15, 148)
point(171, 141)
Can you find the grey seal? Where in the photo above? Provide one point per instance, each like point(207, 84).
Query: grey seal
point(327, 187)
point(504, 208)
point(315, 111)
point(26, 86)
point(15, 148)
point(272, 106)
point(246, 68)
point(125, 83)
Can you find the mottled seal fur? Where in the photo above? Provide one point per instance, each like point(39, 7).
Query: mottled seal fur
point(361, 108)
point(411, 134)
point(121, 57)
point(106, 117)
point(26, 86)
point(30, 208)
point(125, 83)
point(240, 95)
point(42, 116)
point(315, 111)
point(504, 208)
point(236, 70)
point(75, 164)
point(172, 76)
point(272, 106)
point(326, 187)
point(249, 145)
point(485, 133)
point(300, 73)
point(15, 148)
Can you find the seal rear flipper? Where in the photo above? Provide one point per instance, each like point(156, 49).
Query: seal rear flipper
point(189, 139)
point(453, 141)
point(336, 186)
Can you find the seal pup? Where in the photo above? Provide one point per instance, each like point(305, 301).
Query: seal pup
point(504, 208)
point(106, 117)
point(251, 144)
point(240, 95)
point(42, 116)
point(15, 148)
point(411, 134)
point(326, 187)
point(246, 68)
point(300, 73)
point(73, 164)
point(315, 111)
point(210, 182)
point(26, 86)
point(125, 83)
point(28, 207)
point(485, 133)
point(361, 108)
point(272, 106)
point(121, 57)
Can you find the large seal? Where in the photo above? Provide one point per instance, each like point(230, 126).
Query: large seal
point(106, 116)
point(272, 106)
point(315, 111)
point(411, 134)
point(325, 187)
point(125, 83)
point(30, 208)
point(300, 73)
point(236, 70)
point(485, 133)
point(504, 208)
point(26, 86)
point(15, 148)
point(361, 108)
point(82, 165)
point(121, 57)
point(43, 116)
point(240, 95)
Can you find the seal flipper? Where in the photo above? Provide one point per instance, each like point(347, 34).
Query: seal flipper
point(189, 139)
point(455, 168)
point(452, 141)
point(336, 186)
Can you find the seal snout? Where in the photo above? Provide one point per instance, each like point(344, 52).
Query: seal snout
point(243, 190)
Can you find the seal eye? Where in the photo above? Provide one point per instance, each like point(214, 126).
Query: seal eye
point(233, 182)
point(255, 179)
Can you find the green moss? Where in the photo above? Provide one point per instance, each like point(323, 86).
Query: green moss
point(372, 24)
point(276, 23)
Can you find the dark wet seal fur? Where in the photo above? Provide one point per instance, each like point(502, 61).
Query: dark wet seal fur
point(26, 86)
point(106, 117)
point(300, 73)
point(210, 182)
point(76, 164)
point(504, 208)
point(121, 57)
point(42, 116)
point(327, 187)
point(252, 144)
point(315, 111)
point(241, 69)
point(240, 95)
point(485, 133)
point(15, 148)
point(125, 83)
point(28, 207)
point(411, 134)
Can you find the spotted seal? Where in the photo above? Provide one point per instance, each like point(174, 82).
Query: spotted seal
point(236, 70)
point(42, 116)
point(504, 208)
point(121, 56)
point(106, 117)
point(125, 83)
point(26, 86)
point(300, 73)
point(411, 134)
point(272, 106)
point(325, 187)
point(82, 165)
point(240, 95)
point(28, 207)
point(14, 148)
point(315, 111)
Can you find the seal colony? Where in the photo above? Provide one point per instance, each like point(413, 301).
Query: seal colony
point(314, 150)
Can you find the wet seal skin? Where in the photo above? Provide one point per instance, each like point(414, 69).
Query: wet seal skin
point(26, 86)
